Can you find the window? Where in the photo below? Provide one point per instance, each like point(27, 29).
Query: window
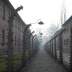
point(7, 12)
point(15, 40)
point(4, 11)
point(3, 37)
point(66, 42)
point(1, 9)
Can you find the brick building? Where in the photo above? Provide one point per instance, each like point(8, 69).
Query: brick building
point(60, 44)
point(6, 10)
point(67, 40)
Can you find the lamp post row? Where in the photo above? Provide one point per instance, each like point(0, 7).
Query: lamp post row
point(10, 39)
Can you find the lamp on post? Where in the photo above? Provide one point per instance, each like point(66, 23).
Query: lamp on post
point(29, 44)
point(24, 40)
point(41, 23)
point(33, 43)
point(10, 39)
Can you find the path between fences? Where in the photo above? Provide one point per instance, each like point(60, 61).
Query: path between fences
point(42, 62)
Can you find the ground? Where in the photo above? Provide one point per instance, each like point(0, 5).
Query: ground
point(42, 62)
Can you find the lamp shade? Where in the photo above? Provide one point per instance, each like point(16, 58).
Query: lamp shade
point(41, 23)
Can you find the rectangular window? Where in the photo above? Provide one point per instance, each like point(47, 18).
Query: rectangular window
point(1, 8)
point(66, 42)
point(15, 40)
point(7, 12)
point(3, 37)
point(4, 11)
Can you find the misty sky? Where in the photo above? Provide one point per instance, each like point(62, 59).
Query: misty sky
point(49, 11)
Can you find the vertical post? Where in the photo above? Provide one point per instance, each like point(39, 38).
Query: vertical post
point(60, 48)
point(24, 45)
point(10, 39)
point(32, 44)
point(71, 50)
point(49, 47)
point(52, 47)
point(55, 48)
point(10, 45)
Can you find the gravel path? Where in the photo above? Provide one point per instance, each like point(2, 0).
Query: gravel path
point(42, 62)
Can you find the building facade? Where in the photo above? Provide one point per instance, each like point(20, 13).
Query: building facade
point(6, 10)
point(60, 45)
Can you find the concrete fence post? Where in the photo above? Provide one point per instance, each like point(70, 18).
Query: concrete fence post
point(71, 50)
point(55, 48)
point(60, 49)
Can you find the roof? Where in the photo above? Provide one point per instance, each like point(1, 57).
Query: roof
point(67, 22)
